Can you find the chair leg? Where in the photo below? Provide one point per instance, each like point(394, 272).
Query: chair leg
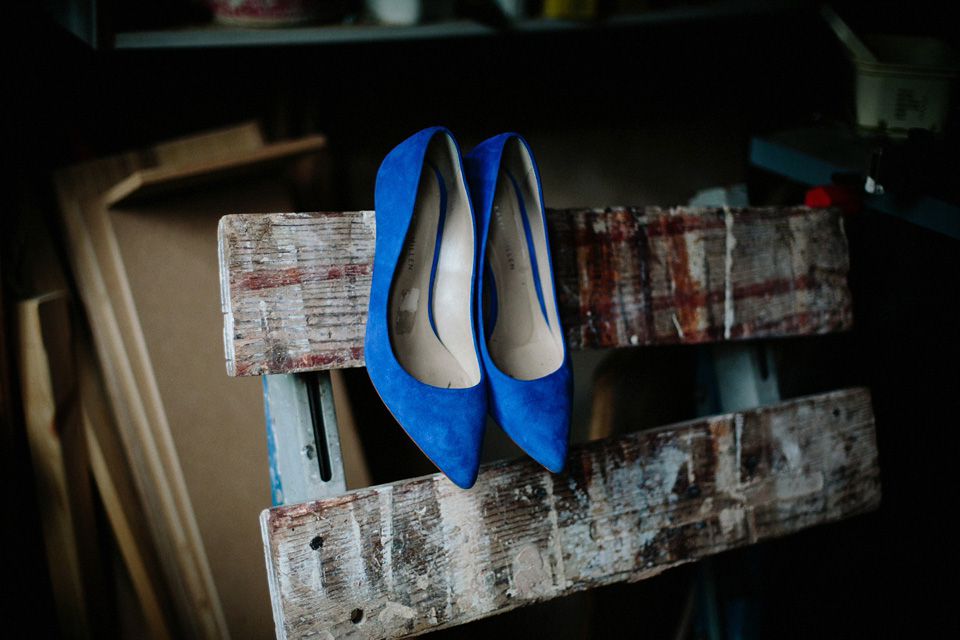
point(736, 376)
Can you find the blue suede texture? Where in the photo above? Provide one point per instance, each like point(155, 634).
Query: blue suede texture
point(447, 424)
point(534, 413)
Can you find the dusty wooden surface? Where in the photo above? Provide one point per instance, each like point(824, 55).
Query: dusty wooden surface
point(295, 286)
point(421, 554)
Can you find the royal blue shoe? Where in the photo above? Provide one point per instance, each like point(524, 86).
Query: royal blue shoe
point(521, 341)
point(420, 345)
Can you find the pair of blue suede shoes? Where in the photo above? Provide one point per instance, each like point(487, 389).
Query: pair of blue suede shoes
point(463, 317)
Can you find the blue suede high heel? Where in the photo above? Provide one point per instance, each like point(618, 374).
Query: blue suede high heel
point(420, 345)
point(521, 342)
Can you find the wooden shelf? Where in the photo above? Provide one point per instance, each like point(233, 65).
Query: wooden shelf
point(84, 18)
point(814, 155)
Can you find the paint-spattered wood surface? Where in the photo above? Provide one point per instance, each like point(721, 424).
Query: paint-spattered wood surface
point(295, 286)
point(420, 554)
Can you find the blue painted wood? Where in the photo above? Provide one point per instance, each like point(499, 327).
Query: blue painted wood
point(276, 487)
point(299, 434)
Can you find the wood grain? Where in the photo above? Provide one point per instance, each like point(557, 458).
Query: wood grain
point(115, 486)
point(58, 454)
point(294, 287)
point(420, 554)
point(167, 178)
point(148, 277)
point(103, 282)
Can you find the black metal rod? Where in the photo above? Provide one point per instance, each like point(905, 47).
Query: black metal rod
point(312, 380)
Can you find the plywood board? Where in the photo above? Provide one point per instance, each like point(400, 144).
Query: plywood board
point(148, 279)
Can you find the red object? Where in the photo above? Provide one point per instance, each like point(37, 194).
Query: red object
point(271, 13)
point(831, 195)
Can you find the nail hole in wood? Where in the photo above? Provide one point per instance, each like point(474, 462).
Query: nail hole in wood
point(316, 543)
point(356, 616)
point(836, 413)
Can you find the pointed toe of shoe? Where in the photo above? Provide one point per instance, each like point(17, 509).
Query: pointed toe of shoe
point(462, 475)
point(447, 425)
point(535, 414)
point(420, 345)
point(550, 450)
point(547, 444)
point(455, 459)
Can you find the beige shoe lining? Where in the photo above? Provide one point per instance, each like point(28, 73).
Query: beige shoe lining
point(446, 357)
point(523, 344)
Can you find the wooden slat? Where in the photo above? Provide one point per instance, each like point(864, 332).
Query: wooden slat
point(115, 486)
point(103, 283)
point(295, 286)
point(421, 554)
point(58, 454)
point(168, 178)
point(204, 147)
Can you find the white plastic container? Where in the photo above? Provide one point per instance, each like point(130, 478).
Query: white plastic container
point(907, 85)
point(404, 12)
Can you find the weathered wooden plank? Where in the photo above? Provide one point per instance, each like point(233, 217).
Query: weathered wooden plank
point(416, 555)
point(295, 286)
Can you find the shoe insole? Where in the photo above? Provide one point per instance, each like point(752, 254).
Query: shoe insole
point(430, 312)
point(524, 341)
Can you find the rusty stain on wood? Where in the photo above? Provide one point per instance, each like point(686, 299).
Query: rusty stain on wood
point(295, 286)
point(400, 559)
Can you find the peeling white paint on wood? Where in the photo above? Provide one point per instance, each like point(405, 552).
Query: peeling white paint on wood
point(624, 277)
point(732, 520)
point(385, 504)
point(395, 615)
point(727, 441)
point(782, 432)
point(729, 245)
point(467, 550)
point(554, 542)
point(531, 578)
point(676, 325)
point(624, 509)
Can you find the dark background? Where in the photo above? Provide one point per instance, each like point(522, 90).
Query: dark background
point(652, 114)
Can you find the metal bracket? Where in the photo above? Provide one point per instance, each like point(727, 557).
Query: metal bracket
point(303, 441)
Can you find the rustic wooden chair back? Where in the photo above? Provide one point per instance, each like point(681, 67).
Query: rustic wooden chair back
point(407, 557)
